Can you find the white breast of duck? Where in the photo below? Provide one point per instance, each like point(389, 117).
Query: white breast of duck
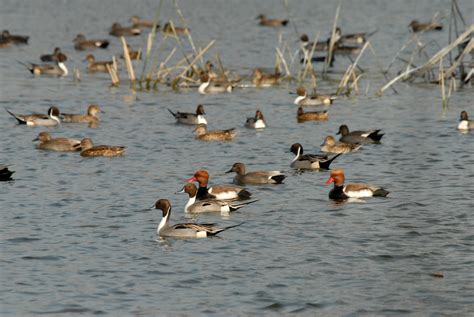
point(63, 68)
point(465, 125)
point(299, 99)
point(203, 87)
point(200, 119)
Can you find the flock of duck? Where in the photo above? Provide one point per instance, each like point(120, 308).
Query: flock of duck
point(223, 198)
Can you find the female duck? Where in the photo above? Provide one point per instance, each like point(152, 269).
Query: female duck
point(57, 144)
point(255, 178)
point(214, 135)
point(331, 146)
point(89, 150)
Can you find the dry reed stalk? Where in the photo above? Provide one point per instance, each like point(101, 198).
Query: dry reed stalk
point(282, 59)
point(450, 70)
point(308, 59)
point(221, 68)
point(188, 34)
point(76, 75)
point(113, 75)
point(208, 46)
point(128, 62)
point(441, 83)
point(350, 70)
point(332, 40)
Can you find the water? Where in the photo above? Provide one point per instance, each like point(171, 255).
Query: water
point(77, 235)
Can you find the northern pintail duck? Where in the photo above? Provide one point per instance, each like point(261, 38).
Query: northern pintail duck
point(190, 118)
point(309, 161)
point(331, 146)
point(303, 116)
point(134, 55)
point(419, 27)
point(58, 69)
point(91, 116)
point(139, 23)
point(167, 28)
point(209, 87)
point(15, 39)
point(351, 39)
point(51, 57)
point(220, 192)
point(265, 80)
point(308, 46)
point(215, 135)
point(316, 100)
point(5, 173)
point(118, 30)
point(359, 137)
point(264, 21)
point(255, 178)
point(256, 122)
point(183, 230)
point(57, 144)
point(355, 190)
point(464, 122)
point(208, 205)
point(81, 43)
point(52, 119)
point(89, 150)
point(94, 66)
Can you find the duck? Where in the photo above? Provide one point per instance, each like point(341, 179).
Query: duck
point(134, 55)
point(307, 46)
point(89, 150)
point(94, 66)
point(5, 173)
point(215, 135)
point(419, 27)
point(167, 28)
point(464, 122)
point(51, 57)
point(58, 69)
point(57, 144)
point(4, 43)
point(183, 230)
point(209, 87)
point(359, 136)
point(81, 43)
point(355, 190)
point(15, 39)
point(303, 116)
point(52, 119)
point(309, 161)
point(331, 146)
point(220, 192)
point(256, 122)
point(190, 118)
point(264, 21)
point(265, 80)
point(91, 116)
point(255, 178)
point(118, 30)
point(194, 206)
point(316, 100)
point(139, 23)
point(351, 39)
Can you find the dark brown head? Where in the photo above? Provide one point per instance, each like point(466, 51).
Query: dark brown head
point(164, 205)
point(201, 176)
point(200, 110)
point(296, 149)
point(300, 111)
point(414, 23)
point(337, 176)
point(53, 111)
point(304, 38)
point(301, 91)
point(116, 26)
point(343, 130)
point(238, 168)
point(464, 116)
point(189, 189)
point(259, 115)
point(57, 50)
point(204, 77)
point(62, 58)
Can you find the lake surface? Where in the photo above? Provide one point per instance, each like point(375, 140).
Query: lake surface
point(78, 237)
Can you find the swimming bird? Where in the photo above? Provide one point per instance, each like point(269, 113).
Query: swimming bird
point(134, 55)
point(215, 135)
point(464, 122)
point(52, 119)
point(265, 80)
point(183, 230)
point(302, 116)
point(15, 39)
point(190, 118)
point(331, 146)
point(57, 144)
point(209, 87)
point(97, 66)
point(118, 30)
point(5, 173)
point(220, 192)
point(309, 161)
point(316, 100)
point(355, 190)
point(255, 178)
point(256, 122)
point(352, 38)
point(431, 26)
point(139, 23)
point(91, 116)
point(58, 69)
point(359, 136)
point(89, 150)
point(81, 43)
point(51, 57)
point(167, 28)
point(264, 21)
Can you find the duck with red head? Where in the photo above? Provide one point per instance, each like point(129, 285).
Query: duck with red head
point(354, 190)
point(220, 192)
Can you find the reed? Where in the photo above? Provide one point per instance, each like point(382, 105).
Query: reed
point(128, 61)
point(332, 40)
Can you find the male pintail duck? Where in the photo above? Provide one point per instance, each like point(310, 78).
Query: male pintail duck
point(58, 69)
point(208, 205)
point(89, 150)
point(167, 28)
point(419, 27)
point(464, 122)
point(255, 178)
point(220, 192)
point(52, 119)
point(308, 46)
point(134, 55)
point(15, 39)
point(94, 66)
point(353, 38)
point(256, 122)
point(331, 146)
point(139, 23)
point(359, 136)
point(5, 173)
point(51, 57)
point(190, 118)
point(346, 49)
point(303, 116)
point(91, 116)
point(316, 100)
point(81, 43)
point(118, 30)
point(355, 190)
point(265, 80)
point(209, 70)
point(214, 135)
point(57, 144)
point(309, 161)
point(209, 87)
point(264, 21)
point(183, 230)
